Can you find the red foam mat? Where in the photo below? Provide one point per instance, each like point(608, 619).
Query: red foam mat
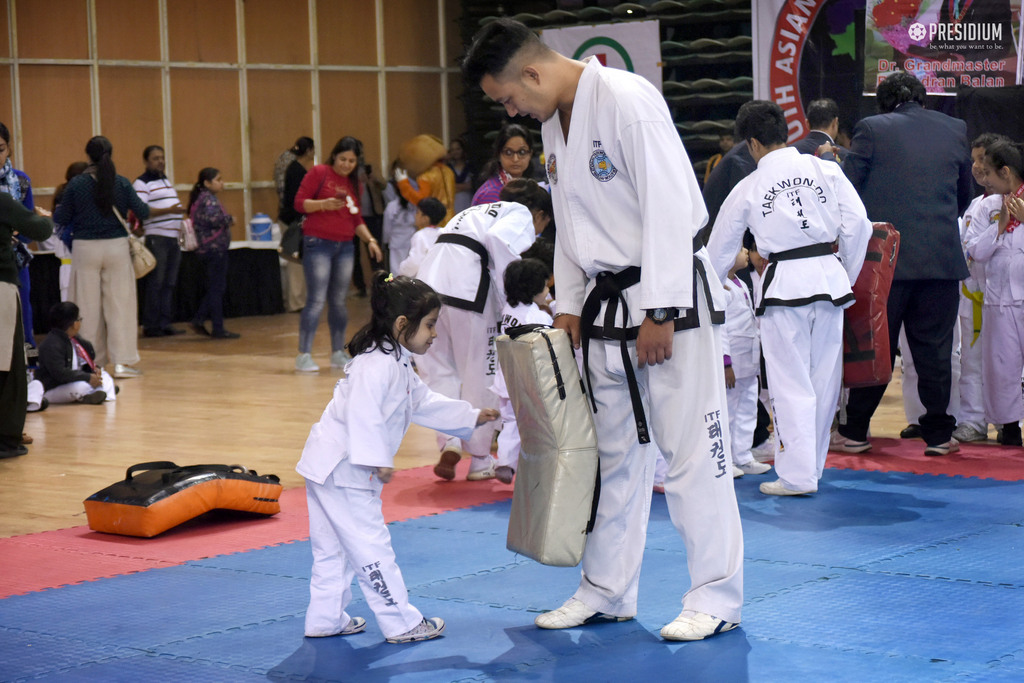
point(54, 558)
point(986, 460)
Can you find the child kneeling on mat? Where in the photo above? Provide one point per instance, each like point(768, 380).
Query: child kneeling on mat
point(349, 456)
point(67, 365)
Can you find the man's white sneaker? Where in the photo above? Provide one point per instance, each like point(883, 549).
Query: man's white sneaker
point(304, 363)
point(690, 625)
point(754, 467)
point(777, 488)
point(967, 433)
point(483, 473)
point(737, 472)
point(572, 614)
point(425, 630)
point(355, 625)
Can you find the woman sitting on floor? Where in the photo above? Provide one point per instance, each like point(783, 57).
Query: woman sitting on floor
point(67, 363)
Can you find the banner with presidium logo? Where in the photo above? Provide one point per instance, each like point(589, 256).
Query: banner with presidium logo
point(945, 43)
point(633, 46)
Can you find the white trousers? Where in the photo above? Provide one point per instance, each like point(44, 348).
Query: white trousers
point(972, 397)
point(913, 409)
point(742, 417)
point(72, 392)
point(1002, 345)
point(349, 538)
point(684, 401)
point(509, 443)
point(803, 352)
point(103, 286)
point(461, 364)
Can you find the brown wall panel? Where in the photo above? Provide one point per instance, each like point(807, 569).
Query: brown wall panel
point(56, 122)
point(453, 33)
point(346, 32)
point(456, 112)
point(410, 33)
point(280, 111)
point(128, 29)
point(264, 200)
point(5, 42)
point(207, 130)
point(348, 106)
point(202, 31)
point(276, 32)
point(131, 114)
point(57, 29)
point(414, 107)
point(7, 104)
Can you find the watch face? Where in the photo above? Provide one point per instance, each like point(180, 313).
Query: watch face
point(660, 314)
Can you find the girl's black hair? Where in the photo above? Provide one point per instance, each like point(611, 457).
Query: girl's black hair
point(392, 296)
point(1008, 153)
point(349, 144)
point(99, 149)
point(63, 315)
point(302, 145)
point(4, 133)
point(76, 168)
point(208, 173)
point(525, 279)
point(507, 132)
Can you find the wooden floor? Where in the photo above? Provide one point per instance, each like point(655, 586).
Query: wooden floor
point(203, 401)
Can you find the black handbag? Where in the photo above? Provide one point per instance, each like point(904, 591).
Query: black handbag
point(290, 247)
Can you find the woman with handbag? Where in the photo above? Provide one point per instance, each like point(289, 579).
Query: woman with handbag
point(291, 243)
point(213, 234)
point(329, 197)
point(102, 275)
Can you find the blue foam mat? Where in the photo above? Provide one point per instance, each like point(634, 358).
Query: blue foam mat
point(878, 577)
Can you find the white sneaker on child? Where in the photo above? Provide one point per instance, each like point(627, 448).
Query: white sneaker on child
point(754, 467)
point(355, 625)
point(425, 630)
point(764, 450)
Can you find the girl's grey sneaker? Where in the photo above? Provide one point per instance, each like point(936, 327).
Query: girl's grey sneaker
point(340, 358)
point(304, 363)
point(427, 629)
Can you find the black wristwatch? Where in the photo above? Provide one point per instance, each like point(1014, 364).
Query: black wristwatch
point(662, 315)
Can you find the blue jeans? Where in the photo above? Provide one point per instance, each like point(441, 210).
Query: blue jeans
point(328, 268)
point(212, 305)
point(158, 309)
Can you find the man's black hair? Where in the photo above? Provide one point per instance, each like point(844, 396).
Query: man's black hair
point(898, 89)
point(820, 113)
point(493, 47)
point(763, 121)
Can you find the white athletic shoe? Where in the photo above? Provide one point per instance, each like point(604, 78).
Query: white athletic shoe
point(484, 473)
point(690, 625)
point(425, 630)
point(304, 363)
point(572, 614)
point(339, 358)
point(777, 488)
point(355, 625)
point(967, 433)
point(754, 467)
point(737, 472)
point(765, 450)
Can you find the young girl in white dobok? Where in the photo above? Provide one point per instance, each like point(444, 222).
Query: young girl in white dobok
point(349, 456)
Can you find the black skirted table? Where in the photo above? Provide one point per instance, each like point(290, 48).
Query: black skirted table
point(254, 284)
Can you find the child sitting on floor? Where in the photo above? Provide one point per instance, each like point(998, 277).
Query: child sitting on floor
point(67, 363)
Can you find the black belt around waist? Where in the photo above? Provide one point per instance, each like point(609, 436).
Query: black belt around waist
point(609, 287)
point(810, 251)
point(477, 305)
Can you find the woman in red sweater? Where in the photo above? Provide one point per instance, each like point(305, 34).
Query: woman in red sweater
point(329, 198)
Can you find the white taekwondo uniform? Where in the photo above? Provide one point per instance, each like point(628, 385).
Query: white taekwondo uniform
point(359, 431)
point(508, 440)
point(741, 342)
point(420, 243)
point(795, 201)
point(462, 361)
point(625, 197)
point(1002, 342)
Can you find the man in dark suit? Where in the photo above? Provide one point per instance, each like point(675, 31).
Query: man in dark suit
point(912, 168)
point(823, 120)
point(736, 165)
